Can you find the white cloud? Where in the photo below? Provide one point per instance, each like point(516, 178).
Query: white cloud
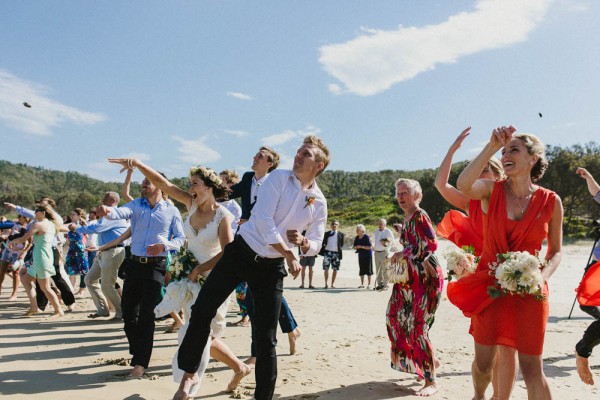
point(236, 132)
point(196, 151)
point(334, 88)
point(287, 135)
point(44, 114)
point(373, 62)
point(238, 95)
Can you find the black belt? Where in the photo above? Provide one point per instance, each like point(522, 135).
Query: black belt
point(114, 247)
point(380, 251)
point(256, 257)
point(147, 260)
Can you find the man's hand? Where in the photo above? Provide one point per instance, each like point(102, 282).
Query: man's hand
point(155, 249)
point(294, 266)
point(10, 206)
point(72, 227)
point(102, 211)
point(294, 237)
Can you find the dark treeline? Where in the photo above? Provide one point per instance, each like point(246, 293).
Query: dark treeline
point(354, 197)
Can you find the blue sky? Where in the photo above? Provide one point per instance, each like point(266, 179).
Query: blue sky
point(387, 85)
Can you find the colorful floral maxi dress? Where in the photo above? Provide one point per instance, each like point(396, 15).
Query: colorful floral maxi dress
point(77, 261)
point(412, 305)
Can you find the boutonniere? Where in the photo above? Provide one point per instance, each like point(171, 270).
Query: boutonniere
point(309, 201)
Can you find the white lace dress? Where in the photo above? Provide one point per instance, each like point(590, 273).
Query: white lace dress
point(204, 244)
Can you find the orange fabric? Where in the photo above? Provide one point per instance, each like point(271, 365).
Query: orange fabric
point(588, 292)
point(463, 230)
point(515, 321)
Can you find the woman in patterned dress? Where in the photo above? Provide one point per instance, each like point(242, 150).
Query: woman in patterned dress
point(412, 304)
point(76, 262)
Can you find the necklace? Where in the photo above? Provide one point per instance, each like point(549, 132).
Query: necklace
point(526, 198)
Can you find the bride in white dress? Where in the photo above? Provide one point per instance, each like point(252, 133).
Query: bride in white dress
point(208, 231)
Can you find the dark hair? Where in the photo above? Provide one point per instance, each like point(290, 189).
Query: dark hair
point(211, 179)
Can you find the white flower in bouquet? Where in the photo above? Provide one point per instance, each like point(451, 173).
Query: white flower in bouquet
point(460, 263)
point(517, 272)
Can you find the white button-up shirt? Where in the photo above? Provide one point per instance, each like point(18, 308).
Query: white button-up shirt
point(283, 205)
point(379, 236)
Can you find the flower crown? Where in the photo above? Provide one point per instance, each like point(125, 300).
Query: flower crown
point(206, 174)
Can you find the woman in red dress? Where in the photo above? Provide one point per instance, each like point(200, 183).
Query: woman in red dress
point(518, 216)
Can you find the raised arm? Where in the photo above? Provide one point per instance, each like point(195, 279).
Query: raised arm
point(592, 185)
point(157, 179)
point(127, 186)
point(468, 182)
point(449, 192)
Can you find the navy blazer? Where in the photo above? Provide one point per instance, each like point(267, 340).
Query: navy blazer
point(340, 242)
point(243, 189)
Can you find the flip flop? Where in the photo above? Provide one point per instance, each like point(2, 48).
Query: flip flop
point(94, 316)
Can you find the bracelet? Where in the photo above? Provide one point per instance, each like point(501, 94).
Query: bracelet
point(130, 163)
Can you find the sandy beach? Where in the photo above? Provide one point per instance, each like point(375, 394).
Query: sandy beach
point(343, 352)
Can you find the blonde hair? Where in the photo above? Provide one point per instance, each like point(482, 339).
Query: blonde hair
point(495, 166)
point(273, 157)
point(535, 147)
point(323, 153)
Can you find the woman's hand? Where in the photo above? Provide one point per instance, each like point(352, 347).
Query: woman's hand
point(194, 275)
point(501, 136)
point(126, 163)
point(460, 139)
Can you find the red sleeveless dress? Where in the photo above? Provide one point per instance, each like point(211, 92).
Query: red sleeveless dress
point(514, 321)
point(464, 230)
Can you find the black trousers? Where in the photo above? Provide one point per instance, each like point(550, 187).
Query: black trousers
point(591, 338)
point(141, 293)
point(65, 291)
point(265, 278)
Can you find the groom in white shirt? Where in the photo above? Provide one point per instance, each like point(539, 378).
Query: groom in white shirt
point(290, 201)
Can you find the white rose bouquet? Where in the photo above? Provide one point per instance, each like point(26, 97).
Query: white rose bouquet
point(183, 263)
point(460, 262)
point(517, 273)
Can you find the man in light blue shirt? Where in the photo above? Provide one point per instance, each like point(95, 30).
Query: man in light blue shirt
point(156, 227)
point(102, 276)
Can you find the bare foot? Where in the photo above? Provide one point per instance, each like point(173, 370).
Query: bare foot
point(187, 383)
point(237, 377)
point(584, 371)
point(436, 363)
point(79, 292)
point(31, 313)
point(57, 314)
point(429, 389)
point(251, 361)
point(137, 371)
point(13, 297)
point(293, 337)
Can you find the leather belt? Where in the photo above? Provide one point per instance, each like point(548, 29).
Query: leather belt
point(147, 260)
point(255, 256)
point(116, 246)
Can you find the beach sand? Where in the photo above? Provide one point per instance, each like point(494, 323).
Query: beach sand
point(343, 352)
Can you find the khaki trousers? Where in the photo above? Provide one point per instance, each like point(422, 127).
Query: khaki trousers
point(104, 269)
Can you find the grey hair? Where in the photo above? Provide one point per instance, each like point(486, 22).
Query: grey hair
point(361, 227)
point(384, 220)
point(414, 188)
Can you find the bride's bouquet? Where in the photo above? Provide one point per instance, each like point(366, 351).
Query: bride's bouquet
point(398, 272)
point(461, 262)
point(183, 263)
point(517, 272)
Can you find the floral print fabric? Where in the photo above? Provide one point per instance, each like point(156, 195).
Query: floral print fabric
point(412, 305)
